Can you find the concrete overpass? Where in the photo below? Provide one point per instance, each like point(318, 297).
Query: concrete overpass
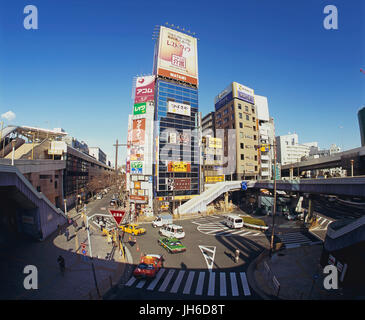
point(341, 159)
point(349, 186)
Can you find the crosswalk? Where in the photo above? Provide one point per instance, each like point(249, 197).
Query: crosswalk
point(219, 229)
point(198, 283)
point(295, 239)
point(322, 223)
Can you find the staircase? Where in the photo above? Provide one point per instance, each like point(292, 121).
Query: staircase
point(199, 203)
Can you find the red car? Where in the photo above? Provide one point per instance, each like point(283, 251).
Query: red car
point(148, 267)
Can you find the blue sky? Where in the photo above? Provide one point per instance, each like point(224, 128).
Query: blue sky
point(76, 70)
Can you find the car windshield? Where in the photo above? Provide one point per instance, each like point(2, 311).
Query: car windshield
point(145, 266)
point(179, 230)
point(177, 243)
point(238, 220)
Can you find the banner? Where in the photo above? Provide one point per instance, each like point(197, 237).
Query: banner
point(243, 93)
point(138, 133)
point(212, 179)
point(145, 89)
point(139, 108)
point(215, 143)
point(179, 108)
point(177, 56)
point(178, 166)
point(136, 167)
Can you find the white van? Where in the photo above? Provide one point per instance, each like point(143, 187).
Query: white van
point(233, 221)
point(172, 230)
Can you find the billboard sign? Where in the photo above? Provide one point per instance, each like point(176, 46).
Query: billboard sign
point(179, 108)
point(213, 179)
point(243, 93)
point(139, 108)
point(215, 143)
point(182, 184)
point(137, 153)
point(178, 166)
point(138, 134)
point(145, 89)
point(136, 167)
point(177, 56)
point(223, 98)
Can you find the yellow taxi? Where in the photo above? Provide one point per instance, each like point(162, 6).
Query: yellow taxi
point(133, 229)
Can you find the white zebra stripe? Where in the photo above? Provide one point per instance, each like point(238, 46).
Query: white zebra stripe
point(189, 282)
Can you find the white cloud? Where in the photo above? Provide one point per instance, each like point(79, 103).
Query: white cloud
point(10, 115)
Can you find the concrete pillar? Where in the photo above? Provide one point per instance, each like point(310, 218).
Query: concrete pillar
point(226, 201)
point(310, 210)
point(291, 173)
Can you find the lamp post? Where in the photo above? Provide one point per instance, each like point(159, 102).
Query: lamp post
point(91, 253)
point(352, 167)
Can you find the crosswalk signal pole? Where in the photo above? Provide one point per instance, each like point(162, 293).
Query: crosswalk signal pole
point(274, 206)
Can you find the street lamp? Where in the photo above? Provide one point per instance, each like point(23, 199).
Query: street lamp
point(352, 167)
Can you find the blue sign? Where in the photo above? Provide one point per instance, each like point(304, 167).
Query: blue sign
point(244, 185)
point(83, 251)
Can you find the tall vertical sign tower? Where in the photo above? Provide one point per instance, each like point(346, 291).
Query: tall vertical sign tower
point(177, 131)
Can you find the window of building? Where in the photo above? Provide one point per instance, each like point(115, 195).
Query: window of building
point(241, 125)
point(241, 145)
point(225, 111)
point(242, 157)
point(239, 106)
point(38, 188)
point(225, 120)
point(255, 168)
point(241, 134)
point(246, 108)
point(255, 158)
point(255, 137)
point(253, 110)
point(253, 119)
point(240, 115)
point(254, 128)
point(232, 117)
point(219, 115)
point(232, 108)
point(247, 117)
point(55, 184)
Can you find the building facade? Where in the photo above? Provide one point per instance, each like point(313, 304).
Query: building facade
point(235, 112)
point(361, 117)
point(98, 154)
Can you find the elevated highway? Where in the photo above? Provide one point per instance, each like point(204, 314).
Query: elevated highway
point(349, 186)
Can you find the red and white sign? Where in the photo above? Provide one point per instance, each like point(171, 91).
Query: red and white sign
point(145, 89)
point(118, 215)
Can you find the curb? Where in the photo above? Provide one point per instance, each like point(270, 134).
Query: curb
point(251, 276)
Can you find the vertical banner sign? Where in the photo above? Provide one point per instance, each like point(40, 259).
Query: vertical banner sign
point(145, 89)
point(138, 134)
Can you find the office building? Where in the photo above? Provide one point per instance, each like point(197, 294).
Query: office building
point(235, 113)
point(361, 117)
point(98, 154)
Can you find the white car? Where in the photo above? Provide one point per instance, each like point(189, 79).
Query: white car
point(172, 230)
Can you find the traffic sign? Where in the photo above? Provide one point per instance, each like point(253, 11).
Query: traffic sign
point(83, 252)
point(244, 185)
point(118, 215)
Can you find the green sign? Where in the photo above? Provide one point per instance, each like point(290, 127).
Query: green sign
point(136, 164)
point(139, 108)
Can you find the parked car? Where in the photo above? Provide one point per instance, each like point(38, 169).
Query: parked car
point(162, 220)
point(172, 245)
point(148, 266)
point(133, 229)
point(172, 230)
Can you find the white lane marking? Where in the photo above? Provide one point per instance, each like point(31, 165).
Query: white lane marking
point(189, 282)
point(199, 287)
point(246, 288)
point(177, 282)
point(140, 284)
point(222, 287)
point(208, 254)
point(245, 233)
point(130, 281)
point(211, 285)
point(166, 281)
point(234, 284)
point(155, 281)
point(323, 221)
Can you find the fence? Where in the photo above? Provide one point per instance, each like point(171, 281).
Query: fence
point(272, 279)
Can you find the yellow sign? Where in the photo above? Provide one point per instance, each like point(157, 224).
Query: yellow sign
point(178, 166)
point(215, 143)
point(184, 197)
point(214, 178)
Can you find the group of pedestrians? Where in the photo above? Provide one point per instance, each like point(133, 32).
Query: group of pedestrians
point(75, 225)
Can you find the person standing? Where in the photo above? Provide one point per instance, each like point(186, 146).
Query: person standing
point(75, 225)
point(67, 234)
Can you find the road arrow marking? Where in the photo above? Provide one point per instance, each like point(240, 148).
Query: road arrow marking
point(209, 255)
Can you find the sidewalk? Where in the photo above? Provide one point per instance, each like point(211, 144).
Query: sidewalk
point(77, 283)
point(298, 275)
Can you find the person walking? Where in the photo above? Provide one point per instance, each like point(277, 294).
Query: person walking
point(83, 225)
point(236, 255)
point(61, 263)
point(74, 223)
point(67, 234)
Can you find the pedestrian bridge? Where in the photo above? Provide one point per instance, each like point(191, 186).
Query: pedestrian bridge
point(23, 209)
point(349, 186)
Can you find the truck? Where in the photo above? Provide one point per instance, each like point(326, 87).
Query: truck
point(162, 220)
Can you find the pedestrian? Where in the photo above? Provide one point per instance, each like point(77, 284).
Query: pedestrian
point(237, 255)
point(59, 230)
point(75, 225)
point(67, 234)
point(83, 225)
point(61, 263)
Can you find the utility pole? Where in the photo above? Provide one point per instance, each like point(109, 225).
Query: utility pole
point(116, 145)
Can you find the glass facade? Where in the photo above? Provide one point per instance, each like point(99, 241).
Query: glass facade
point(187, 149)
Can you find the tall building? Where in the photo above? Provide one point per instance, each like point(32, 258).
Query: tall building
point(235, 112)
point(266, 138)
point(290, 151)
point(98, 154)
point(361, 117)
point(208, 124)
